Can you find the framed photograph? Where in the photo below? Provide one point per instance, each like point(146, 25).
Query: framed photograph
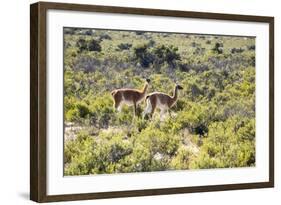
point(134, 102)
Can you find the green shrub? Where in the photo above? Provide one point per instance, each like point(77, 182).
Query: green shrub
point(78, 155)
point(79, 111)
point(124, 46)
point(142, 55)
point(218, 48)
point(167, 54)
point(94, 45)
point(228, 144)
point(81, 44)
point(183, 158)
point(91, 156)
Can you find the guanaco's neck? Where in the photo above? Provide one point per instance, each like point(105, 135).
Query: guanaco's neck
point(144, 89)
point(175, 94)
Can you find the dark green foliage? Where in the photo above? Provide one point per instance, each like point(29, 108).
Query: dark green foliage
point(212, 124)
point(77, 112)
point(140, 32)
point(143, 56)
point(87, 32)
point(166, 54)
point(184, 67)
point(218, 48)
point(157, 56)
point(228, 144)
point(251, 47)
point(237, 50)
point(208, 42)
point(94, 45)
point(81, 44)
point(124, 46)
point(194, 44)
point(104, 36)
point(86, 64)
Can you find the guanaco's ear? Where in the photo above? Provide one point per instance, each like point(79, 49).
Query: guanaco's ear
point(179, 87)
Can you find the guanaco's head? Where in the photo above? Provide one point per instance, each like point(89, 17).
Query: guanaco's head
point(179, 87)
point(147, 80)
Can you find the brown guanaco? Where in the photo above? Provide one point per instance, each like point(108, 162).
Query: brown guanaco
point(161, 100)
point(129, 96)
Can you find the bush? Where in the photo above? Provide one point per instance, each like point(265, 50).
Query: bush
point(208, 42)
point(94, 45)
point(79, 111)
point(101, 111)
point(166, 54)
point(78, 155)
point(182, 159)
point(197, 118)
point(251, 47)
point(237, 50)
point(81, 44)
point(140, 32)
point(142, 55)
point(90, 156)
point(218, 48)
point(104, 36)
point(87, 32)
point(86, 64)
point(157, 56)
point(124, 46)
point(228, 145)
point(153, 150)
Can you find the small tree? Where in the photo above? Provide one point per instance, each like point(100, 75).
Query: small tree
point(143, 56)
point(218, 48)
point(167, 54)
point(124, 46)
point(81, 44)
point(94, 45)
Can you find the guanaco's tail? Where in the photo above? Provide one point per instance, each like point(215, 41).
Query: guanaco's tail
point(113, 92)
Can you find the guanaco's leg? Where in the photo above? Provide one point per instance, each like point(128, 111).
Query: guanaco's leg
point(135, 109)
point(153, 105)
point(147, 110)
point(162, 112)
point(117, 101)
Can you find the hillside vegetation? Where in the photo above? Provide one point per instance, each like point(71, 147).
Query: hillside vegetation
point(212, 124)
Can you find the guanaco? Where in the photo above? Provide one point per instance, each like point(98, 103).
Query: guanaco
point(162, 101)
point(129, 96)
